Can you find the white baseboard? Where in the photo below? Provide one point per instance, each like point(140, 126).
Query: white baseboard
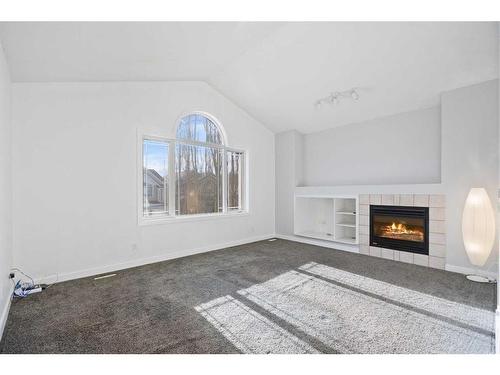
point(140, 262)
point(5, 311)
point(470, 271)
point(331, 245)
point(355, 249)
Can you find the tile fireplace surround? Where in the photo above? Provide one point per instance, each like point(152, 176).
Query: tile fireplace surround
point(437, 227)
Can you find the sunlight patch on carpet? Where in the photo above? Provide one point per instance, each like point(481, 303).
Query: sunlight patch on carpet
point(469, 315)
point(249, 331)
point(348, 313)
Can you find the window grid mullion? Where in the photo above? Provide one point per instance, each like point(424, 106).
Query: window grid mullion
point(224, 181)
point(171, 179)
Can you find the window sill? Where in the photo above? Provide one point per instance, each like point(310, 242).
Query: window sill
point(187, 218)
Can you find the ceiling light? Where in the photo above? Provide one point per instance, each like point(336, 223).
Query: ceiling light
point(335, 97)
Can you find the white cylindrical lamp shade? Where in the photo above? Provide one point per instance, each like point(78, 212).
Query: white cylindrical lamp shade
point(478, 226)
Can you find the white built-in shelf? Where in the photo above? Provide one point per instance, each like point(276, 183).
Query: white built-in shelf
point(346, 225)
point(317, 235)
point(352, 241)
point(329, 218)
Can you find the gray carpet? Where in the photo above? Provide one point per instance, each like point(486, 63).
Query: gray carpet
point(264, 297)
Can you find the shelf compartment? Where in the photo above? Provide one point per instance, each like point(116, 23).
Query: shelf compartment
point(346, 240)
point(345, 233)
point(326, 218)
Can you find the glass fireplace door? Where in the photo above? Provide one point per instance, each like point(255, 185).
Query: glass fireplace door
point(400, 228)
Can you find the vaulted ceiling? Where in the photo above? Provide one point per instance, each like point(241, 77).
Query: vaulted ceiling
point(275, 71)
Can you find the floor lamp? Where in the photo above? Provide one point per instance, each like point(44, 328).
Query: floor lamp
point(478, 229)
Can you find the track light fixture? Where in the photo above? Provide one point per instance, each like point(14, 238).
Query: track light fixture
point(335, 97)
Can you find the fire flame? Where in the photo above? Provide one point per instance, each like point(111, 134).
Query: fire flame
point(401, 231)
point(400, 228)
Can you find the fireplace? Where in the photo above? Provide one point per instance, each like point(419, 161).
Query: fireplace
point(400, 228)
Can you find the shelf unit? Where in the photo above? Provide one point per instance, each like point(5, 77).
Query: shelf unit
point(329, 218)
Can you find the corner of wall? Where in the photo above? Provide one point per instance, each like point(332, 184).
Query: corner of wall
point(6, 251)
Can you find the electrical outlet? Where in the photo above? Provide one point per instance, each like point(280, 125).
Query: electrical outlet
point(134, 247)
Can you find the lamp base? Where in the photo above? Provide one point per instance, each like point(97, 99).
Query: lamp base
point(479, 279)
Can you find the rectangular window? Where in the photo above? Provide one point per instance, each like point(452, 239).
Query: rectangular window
point(155, 177)
point(234, 160)
point(198, 172)
point(182, 178)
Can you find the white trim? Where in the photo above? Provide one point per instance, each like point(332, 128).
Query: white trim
point(140, 262)
point(167, 219)
point(5, 311)
point(470, 271)
point(171, 217)
point(497, 330)
point(371, 189)
point(211, 117)
point(329, 244)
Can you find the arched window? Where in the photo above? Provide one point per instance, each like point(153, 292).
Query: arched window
point(204, 176)
point(199, 128)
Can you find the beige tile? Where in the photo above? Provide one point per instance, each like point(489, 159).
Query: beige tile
point(364, 229)
point(396, 255)
point(375, 198)
point(387, 254)
point(421, 200)
point(421, 260)
point(437, 226)
point(396, 199)
point(405, 257)
point(375, 251)
point(406, 200)
point(364, 239)
point(364, 199)
point(364, 220)
point(437, 213)
point(364, 209)
point(437, 200)
point(437, 250)
point(388, 199)
point(437, 238)
point(364, 249)
point(436, 262)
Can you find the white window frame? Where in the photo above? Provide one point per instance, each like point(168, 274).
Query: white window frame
point(172, 217)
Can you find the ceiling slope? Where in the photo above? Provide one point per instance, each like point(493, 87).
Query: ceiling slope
point(275, 71)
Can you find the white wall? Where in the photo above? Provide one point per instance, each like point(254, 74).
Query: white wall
point(400, 149)
point(289, 174)
point(5, 189)
point(469, 158)
point(75, 175)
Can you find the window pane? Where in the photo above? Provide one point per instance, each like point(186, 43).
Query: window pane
point(234, 180)
point(199, 128)
point(155, 177)
point(199, 179)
